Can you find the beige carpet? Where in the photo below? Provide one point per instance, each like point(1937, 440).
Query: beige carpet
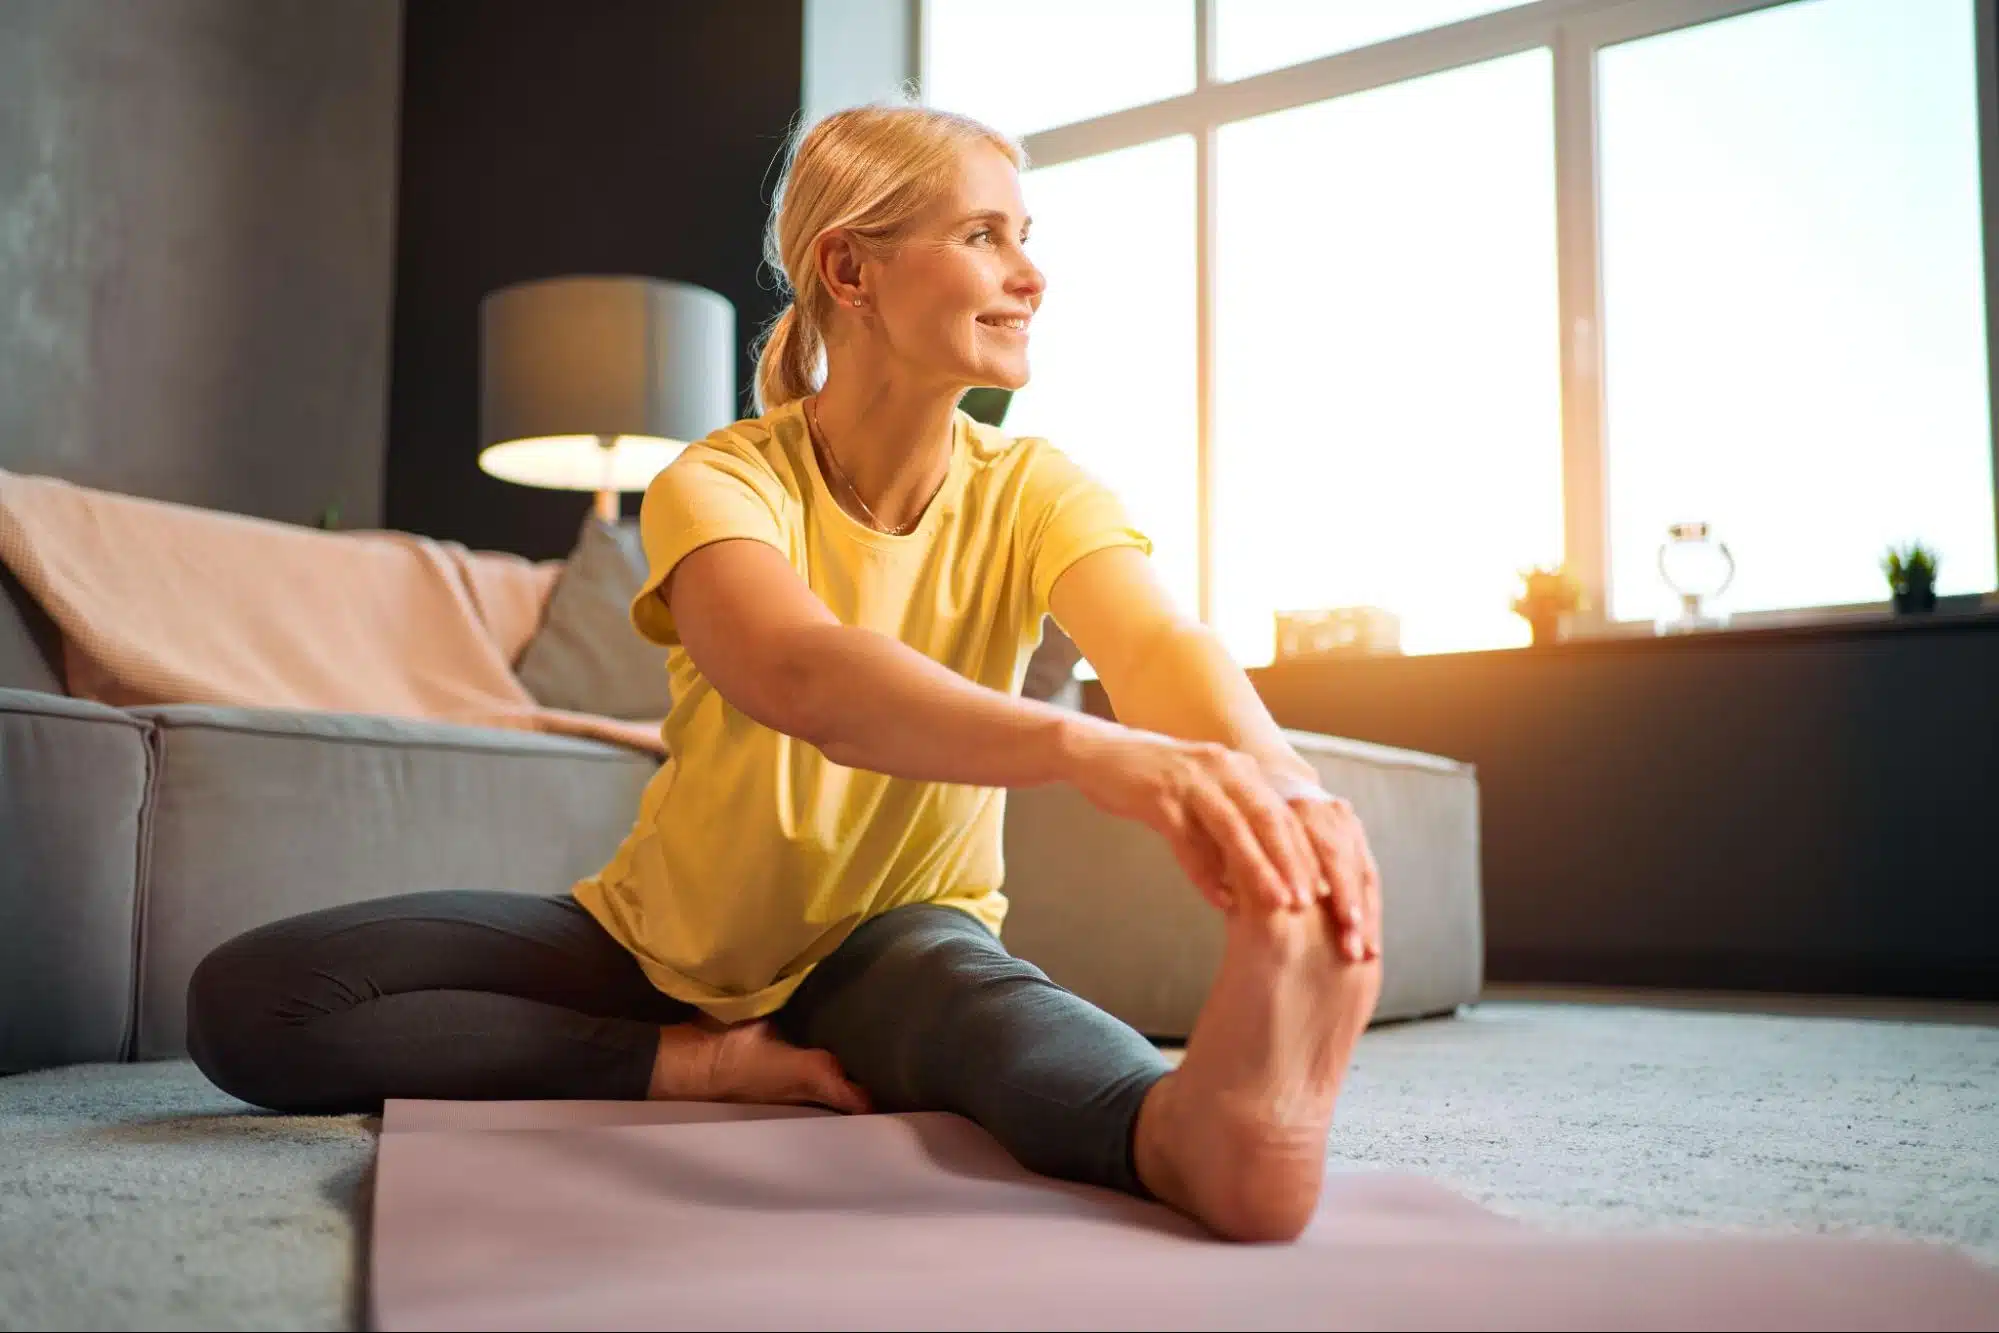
point(140, 1197)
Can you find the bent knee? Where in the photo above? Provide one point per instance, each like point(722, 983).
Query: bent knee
point(233, 1025)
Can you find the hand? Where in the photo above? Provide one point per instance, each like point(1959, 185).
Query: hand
point(1350, 877)
point(1228, 827)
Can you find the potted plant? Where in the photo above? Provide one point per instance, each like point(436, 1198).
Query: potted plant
point(1912, 577)
point(1547, 599)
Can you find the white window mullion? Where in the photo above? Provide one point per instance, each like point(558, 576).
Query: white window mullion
point(1204, 316)
point(1986, 21)
point(1584, 520)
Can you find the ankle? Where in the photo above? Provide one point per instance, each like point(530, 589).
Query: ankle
point(683, 1066)
point(1151, 1144)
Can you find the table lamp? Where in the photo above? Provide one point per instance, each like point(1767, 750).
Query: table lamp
point(596, 383)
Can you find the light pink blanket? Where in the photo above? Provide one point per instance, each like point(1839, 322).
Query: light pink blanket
point(165, 603)
point(661, 1215)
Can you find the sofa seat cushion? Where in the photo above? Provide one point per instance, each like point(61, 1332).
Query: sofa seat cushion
point(263, 814)
point(72, 815)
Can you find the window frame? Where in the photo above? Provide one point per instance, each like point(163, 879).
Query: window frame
point(1574, 31)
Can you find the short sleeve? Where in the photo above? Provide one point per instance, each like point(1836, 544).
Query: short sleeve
point(704, 495)
point(1067, 514)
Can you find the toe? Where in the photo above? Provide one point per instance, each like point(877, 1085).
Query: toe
point(822, 1080)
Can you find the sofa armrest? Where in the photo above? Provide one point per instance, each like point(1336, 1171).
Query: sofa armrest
point(1102, 906)
point(74, 784)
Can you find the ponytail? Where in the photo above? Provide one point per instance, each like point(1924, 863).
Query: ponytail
point(787, 361)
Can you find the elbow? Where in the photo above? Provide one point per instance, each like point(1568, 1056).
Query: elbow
point(798, 700)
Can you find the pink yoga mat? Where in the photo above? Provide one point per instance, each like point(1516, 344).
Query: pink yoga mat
point(639, 1215)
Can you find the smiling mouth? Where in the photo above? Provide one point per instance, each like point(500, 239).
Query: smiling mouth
point(1010, 325)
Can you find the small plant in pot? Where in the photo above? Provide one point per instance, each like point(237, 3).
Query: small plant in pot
point(1912, 577)
point(1547, 599)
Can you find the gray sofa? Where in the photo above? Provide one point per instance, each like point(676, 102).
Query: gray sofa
point(132, 841)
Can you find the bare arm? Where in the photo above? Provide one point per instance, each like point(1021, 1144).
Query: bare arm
point(1163, 672)
point(862, 698)
point(774, 651)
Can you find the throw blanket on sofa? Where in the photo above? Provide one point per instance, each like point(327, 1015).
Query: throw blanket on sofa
point(166, 603)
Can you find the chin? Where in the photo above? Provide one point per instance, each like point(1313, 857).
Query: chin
point(1012, 377)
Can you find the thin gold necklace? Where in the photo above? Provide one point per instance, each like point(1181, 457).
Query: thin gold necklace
point(826, 451)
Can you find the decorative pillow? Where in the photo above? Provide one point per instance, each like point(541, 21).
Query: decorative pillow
point(586, 656)
point(1048, 670)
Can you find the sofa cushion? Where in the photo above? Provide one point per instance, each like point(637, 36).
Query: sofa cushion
point(586, 656)
point(263, 814)
point(72, 825)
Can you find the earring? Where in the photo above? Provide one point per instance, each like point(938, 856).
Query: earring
point(857, 303)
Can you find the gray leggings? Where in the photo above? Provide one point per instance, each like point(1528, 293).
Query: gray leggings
point(478, 995)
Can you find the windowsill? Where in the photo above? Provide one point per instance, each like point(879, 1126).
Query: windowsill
point(1960, 613)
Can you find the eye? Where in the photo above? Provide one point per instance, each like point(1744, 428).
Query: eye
point(983, 231)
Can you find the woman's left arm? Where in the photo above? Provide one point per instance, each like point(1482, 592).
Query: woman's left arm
point(1167, 673)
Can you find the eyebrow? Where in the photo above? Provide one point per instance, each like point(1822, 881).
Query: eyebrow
point(993, 215)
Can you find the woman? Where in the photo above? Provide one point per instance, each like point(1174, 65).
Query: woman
point(807, 906)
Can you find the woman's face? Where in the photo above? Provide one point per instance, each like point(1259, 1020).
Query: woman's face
point(944, 300)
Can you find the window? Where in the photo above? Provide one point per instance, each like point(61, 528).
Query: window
point(1388, 429)
point(1027, 65)
point(1252, 36)
point(1506, 284)
point(1112, 353)
point(1794, 301)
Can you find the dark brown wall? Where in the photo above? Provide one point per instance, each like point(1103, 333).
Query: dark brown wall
point(1762, 810)
point(589, 136)
point(196, 226)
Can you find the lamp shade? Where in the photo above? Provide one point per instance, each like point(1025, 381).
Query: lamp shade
point(596, 383)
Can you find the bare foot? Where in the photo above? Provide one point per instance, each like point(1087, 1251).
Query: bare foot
point(748, 1062)
point(1236, 1137)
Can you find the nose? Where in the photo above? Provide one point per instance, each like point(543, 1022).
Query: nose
point(1026, 282)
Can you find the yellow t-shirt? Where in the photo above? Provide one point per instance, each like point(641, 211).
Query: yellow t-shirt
point(753, 855)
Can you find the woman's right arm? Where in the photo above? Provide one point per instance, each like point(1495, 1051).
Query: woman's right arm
point(774, 651)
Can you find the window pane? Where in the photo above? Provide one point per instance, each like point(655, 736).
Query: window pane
point(1112, 352)
point(1794, 300)
point(1029, 65)
point(1388, 379)
point(1252, 36)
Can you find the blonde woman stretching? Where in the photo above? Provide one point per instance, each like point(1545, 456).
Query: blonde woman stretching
point(807, 906)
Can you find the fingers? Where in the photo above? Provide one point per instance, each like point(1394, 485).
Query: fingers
point(1199, 858)
point(1349, 868)
point(1279, 831)
point(1246, 866)
point(1373, 901)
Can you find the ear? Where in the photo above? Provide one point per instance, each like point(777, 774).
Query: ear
point(839, 260)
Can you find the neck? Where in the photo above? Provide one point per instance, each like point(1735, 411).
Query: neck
point(893, 443)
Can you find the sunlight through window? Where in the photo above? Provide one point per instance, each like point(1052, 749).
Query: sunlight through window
point(1388, 424)
point(1794, 300)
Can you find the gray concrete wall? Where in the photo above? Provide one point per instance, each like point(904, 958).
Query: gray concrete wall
point(197, 202)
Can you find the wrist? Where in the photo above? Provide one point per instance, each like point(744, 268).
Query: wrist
point(1294, 786)
point(1076, 743)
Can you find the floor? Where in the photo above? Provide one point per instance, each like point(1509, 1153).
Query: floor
point(140, 1196)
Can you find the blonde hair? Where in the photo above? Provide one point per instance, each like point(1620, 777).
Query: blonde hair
point(870, 170)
